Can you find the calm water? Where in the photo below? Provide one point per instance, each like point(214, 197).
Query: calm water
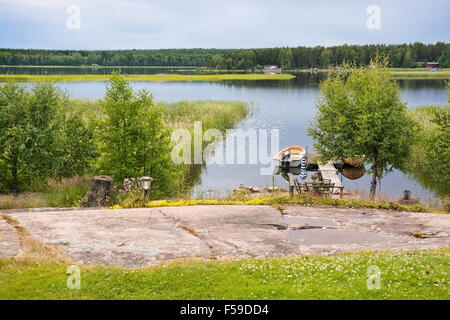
point(286, 105)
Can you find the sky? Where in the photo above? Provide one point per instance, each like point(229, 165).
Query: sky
point(139, 24)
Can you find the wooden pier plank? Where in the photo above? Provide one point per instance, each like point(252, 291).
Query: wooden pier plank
point(329, 171)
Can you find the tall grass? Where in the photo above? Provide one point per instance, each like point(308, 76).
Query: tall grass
point(65, 192)
point(24, 200)
point(213, 114)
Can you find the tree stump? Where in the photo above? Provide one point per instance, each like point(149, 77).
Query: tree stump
point(98, 194)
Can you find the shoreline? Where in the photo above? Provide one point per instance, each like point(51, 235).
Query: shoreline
point(397, 74)
point(148, 77)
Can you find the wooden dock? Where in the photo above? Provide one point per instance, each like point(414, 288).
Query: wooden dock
point(329, 172)
point(313, 164)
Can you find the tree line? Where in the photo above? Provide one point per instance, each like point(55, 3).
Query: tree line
point(161, 57)
point(400, 56)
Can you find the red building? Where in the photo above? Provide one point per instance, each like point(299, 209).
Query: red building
point(432, 65)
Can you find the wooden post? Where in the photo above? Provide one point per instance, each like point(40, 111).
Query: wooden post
point(291, 184)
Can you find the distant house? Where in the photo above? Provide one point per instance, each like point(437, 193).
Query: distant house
point(271, 69)
point(432, 65)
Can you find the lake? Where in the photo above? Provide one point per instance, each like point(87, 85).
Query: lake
point(285, 105)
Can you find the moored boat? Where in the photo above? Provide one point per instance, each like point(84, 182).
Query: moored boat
point(289, 160)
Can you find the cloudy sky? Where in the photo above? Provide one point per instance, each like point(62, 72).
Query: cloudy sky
point(122, 24)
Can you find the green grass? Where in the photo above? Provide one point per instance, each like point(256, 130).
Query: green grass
point(420, 73)
point(147, 77)
point(219, 114)
point(279, 200)
point(400, 73)
point(404, 275)
point(216, 114)
point(99, 67)
point(66, 192)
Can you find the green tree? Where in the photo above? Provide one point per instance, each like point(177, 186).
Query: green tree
point(360, 113)
point(431, 153)
point(218, 62)
point(28, 130)
point(437, 153)
point(444, 61)
point(325, 58)
point(93, 58)
point(407, 61)
point(133, 141)
point(286, 59)
point(77, 145)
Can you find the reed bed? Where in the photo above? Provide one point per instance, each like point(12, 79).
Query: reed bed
point(213, 114)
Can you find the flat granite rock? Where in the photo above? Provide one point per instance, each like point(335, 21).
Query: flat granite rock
point(138, 237)
point(359, 229)
point(9, 241)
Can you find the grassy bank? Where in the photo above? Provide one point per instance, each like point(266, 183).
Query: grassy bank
point(420, 73)
point(147, 77)
point(404, 275)
point(399, 73)
point(217, 114)
point(98, 67)
point(65, 192)
point(278, 201)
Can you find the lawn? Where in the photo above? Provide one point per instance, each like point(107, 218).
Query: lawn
point(148, 77)
point(404, 275)
point(420, 73)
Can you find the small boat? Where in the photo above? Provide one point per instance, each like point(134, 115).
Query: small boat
point(289, 160)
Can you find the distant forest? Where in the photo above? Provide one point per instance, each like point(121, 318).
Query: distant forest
point(139, 58)
point(401, 56)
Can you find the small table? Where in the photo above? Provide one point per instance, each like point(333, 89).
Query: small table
point(323, 187)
